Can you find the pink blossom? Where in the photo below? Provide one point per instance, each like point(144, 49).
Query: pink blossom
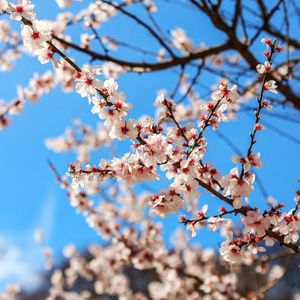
point(121, 166)
point(267, 105)
point(255, 249)
point(80, 201)
point(181, 41)
point(230, 250)
point(289, 227)
point(265, 68)
point(271, 86)
point(235, 186)
point(24, 9)
point(85, 40)
point(111, 69)
point(159, 100)
point(123, 129)
point(237, 202)
point(278, 49)
point(215, 223)
point(46, 54)
point(266, 41)
point(297, 197)
point(258, 127)
point(34, 36)
point(156, 149)
point(191, 226)
point(151, 7)
point(103, 226)
point(186, 187)
point(254, 160)
point(255, 222)
point(248, 161)
point(88, 84)
point(166, 201)
point(220, 114)
point(231, 95)
point(75, 173)
point(266, 54)
point(139, 172)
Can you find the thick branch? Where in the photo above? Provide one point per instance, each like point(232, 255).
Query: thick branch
point(244, 51)
point(150, 67)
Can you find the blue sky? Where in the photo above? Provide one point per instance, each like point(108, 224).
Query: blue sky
point(30, 198)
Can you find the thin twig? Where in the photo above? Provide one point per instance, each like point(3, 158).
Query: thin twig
point(265, 21)
point(259, 107)
point(287, 40)
point(99, 39)
point(178, 82)
point(139, 21)
point(200, 67)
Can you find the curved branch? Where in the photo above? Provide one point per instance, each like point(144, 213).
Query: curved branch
point(243, 210)
point(150, 67)
point(244, 51)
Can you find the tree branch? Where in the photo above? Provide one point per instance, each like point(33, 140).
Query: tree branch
point(149, 67)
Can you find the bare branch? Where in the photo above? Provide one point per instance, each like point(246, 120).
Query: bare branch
point(150, 67)
point(265, 21)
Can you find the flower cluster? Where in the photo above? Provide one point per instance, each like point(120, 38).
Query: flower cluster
point(178, 151)
point(173, 144)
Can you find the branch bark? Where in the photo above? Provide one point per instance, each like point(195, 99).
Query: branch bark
point(244, 51)
point(149, 67)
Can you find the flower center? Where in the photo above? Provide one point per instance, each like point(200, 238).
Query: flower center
point(35, 35)
point(19, 9)
point(88, 82)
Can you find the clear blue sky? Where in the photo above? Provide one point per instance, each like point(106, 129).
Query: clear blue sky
point(31, 199)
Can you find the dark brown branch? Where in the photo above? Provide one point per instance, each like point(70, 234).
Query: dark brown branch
point(243, 210)
point(10, 106)
point(175, 121)
point(244, 51)
point(278, 34)
point(196, 4)
point(265, 21)
point(67, 59)
point(237, 13)
point(220, 215)
point(150, 67)
point(219, 195)
point(244, 27)
point(287, 39)
point(205, 125)
point(262, 8)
